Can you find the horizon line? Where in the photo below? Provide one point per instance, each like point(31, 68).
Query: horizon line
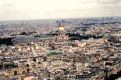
point(57, 18)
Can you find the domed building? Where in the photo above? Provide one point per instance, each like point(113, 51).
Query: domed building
point(61, 33)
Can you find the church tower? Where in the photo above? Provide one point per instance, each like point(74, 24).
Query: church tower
point(61, 33)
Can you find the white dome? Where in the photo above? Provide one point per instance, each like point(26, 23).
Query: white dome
point(61, 28)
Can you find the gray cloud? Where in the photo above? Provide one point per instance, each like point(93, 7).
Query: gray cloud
point(109, 3)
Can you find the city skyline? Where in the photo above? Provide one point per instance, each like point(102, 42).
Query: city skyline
point(52, 9)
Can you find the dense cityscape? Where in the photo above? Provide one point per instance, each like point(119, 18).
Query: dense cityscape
point(67, 49)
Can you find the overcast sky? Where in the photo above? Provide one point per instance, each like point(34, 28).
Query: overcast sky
point(50, 9)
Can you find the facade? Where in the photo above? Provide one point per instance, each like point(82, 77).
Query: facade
point(61, 34)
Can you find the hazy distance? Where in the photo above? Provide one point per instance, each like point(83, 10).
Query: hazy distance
point(51, 9)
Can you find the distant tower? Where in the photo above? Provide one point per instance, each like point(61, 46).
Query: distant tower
point(61, 32)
